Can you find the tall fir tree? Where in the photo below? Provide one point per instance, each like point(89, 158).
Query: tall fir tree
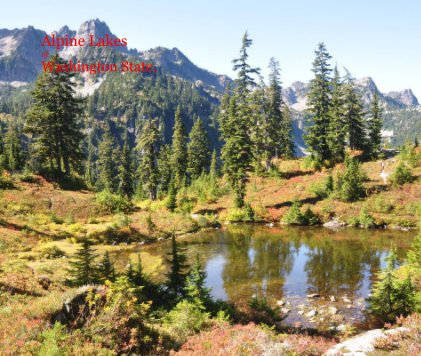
point(148, 147)
point(53, 120)
point(164, 168)
point(261, 128)
point(280, 131)
point(336, 137)
point(214, 170)
point(319, 106)
point(287, 149)
point(354, 115)
point(107, 162)
point(197, 150)
point(236, 126)
point(83, 267)
point(375, 124)
point(13, 152)
point(179, 151)
point(126, 174)
point(90, 168)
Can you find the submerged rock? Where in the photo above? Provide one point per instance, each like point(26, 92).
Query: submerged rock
point(313, 295)
point(332, 310)
point(333, 298)
point(312, 313)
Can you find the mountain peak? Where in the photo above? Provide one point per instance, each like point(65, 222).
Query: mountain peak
point(405, 97)
point(93, 26)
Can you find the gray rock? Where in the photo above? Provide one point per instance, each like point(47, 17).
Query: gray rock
point(334, 224)
point(363, 343)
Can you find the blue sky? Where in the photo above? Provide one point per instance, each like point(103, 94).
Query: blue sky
point(381, 39)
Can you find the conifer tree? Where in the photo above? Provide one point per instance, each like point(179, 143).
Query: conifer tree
point(236, 125)
point(106, 270)
point(336, 137)
point(53, 120)
point(262, 132)
point(90, 170)
point(213, 171)
point(350, 185)
point(83, 267)
point(171, 203)
point(375, 125)
point(195, 289)
point(279, 124)
point(288, 147)
point(354, 116)
point(197, 150)
point(126, 174)
point(319, 106)
point(179, 151)
point(149, 149)
point(13, 155)
point(107, 160)
point(177, 274)
point(164, 168)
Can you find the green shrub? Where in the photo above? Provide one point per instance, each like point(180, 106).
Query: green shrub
point(52, 252)
point(391, 295)
point(294, 216)
point(6, 183)
point(349, 186)
point(365, 219)
point(401, 175)
point(245, 214)
point(324, 189)
point(381, 206)
point(56, 219)
point(310, 218)
point(186, 319)
point(112, 203)
point(409, 155)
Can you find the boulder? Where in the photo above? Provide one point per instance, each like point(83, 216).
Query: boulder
point(334, 224)
point(363, 343)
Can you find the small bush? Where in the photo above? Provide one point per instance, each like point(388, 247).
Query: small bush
point(401, 175)
point(186, 319)
point(245, 214)
point(294, 216)
point(382, 206)
point(112, 203)
point(52, 252)
point(6, 183)
point(365, 219)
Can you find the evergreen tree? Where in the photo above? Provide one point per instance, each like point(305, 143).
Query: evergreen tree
point(236, 126)
point(126, 176)
point(90, 170)
point(390, 296)
point(354, 116)
point(261, 129)
point(195, 289)
point(279, 130)
point(53, 121)
point(177, 274)
point(179, 151)
point(287, 148)
point(375, 125)
point(214, 171)
point(83, 267)
point(107, 162)
point(106, 270)
point(149, 149)
point(337, 124)
point(319, 106)
point(171, 203)
point(350, 186)
point(197, 150)
point(164, 168)
point(13, 155)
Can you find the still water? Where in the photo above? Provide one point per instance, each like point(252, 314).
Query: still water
point(288, 263)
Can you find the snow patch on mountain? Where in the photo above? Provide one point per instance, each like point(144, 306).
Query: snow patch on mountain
point(7, 46)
